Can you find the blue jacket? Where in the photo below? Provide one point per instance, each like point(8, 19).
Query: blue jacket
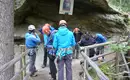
point(100, 38)
point(31, 40)
point(49, 44)
point(63, 39)
point(44, 35)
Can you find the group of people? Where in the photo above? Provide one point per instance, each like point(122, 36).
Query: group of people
point(87, 39)
point(61, 45)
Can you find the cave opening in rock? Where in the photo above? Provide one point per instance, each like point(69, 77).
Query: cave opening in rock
point(91, 15)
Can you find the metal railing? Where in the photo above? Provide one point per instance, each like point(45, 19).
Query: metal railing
point(86, 62)
point(89, 62)
point(23, 65)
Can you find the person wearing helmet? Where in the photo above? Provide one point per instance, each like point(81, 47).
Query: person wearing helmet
point(63, 43)
point(50, 50)
point(31, 41)
point(44, 39)
point(77, 34)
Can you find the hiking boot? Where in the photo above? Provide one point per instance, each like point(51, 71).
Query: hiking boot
point(43, 66)
point(52, 79)
point(33, 75)
point(36, 71)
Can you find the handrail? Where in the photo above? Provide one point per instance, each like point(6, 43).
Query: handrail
point(23, 65)
point(102, 44)
point(18, 73)
point(101, 55)
point(11, 63)
point(100, 74)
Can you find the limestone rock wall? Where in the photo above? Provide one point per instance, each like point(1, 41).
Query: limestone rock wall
point(91, 15)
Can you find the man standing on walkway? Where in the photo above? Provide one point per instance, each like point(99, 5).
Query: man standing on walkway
point(77, 34)
point(63, 43)
point(50, 50)
point(31, 42)
point(44, 36)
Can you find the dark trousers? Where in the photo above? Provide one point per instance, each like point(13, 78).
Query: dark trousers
point(76, 52)
point(52, 66)
point(100, 50)
point(45, 56)
point(67, 60)
point(91, 52)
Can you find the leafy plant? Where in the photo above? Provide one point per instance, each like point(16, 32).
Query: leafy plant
point(106, 68)
point(120, 5)
point(119, 47)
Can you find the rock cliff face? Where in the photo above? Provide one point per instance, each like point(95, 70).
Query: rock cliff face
point(91, 15)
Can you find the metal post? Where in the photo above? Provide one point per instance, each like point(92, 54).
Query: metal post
point(21, 77)
point(87, 53)
point(84, 68)
point(85, 63)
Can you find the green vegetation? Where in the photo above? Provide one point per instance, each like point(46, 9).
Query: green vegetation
point(106, 68)
point(120, 48)
point(109, 68)
point(120, 5)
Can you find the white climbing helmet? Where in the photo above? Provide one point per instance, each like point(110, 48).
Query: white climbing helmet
point(62, 22)
point(31, 27)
